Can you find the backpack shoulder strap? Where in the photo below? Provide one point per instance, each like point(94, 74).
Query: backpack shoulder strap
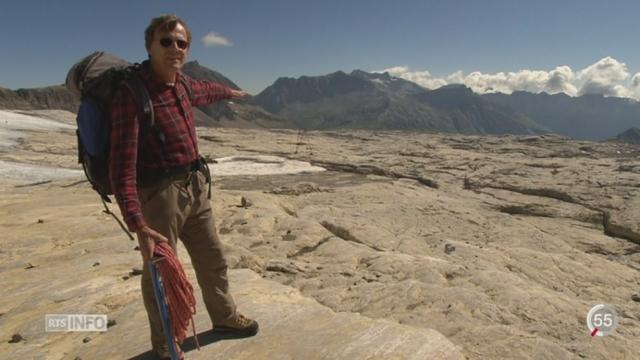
point(187, 86)
point(135, 84)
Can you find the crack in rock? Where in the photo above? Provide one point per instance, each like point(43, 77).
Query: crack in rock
point(542, 192)
point(277, 265)
point(611, 228)
point(616, 230)
point(309, 249)
point(344, 234)
point(373, 170)
point(541, 211)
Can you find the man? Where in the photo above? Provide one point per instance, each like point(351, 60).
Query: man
point(158, 180)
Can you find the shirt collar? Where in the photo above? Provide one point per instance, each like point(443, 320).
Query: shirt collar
point(154, 83)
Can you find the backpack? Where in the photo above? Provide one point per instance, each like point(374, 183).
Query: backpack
point(95, 79)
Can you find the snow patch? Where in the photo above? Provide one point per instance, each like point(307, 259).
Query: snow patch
point(11, 125)
point(27, 173)
point(227, 166)
point(260, 165)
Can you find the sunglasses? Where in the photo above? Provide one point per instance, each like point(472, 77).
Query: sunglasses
point(167, 42)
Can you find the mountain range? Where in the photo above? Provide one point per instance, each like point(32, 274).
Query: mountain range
point(584, 117)
point(631, 136)
point(221, 114)
point(363, 100)
point(226, 113)
point(379, 101)
point(50, 97)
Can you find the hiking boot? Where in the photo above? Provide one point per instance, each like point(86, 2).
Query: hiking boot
point(239, 325)
point(163, 353)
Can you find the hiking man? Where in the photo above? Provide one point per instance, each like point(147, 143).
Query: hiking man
point(159, 181)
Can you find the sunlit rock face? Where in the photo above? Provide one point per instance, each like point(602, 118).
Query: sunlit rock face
point(487, 247)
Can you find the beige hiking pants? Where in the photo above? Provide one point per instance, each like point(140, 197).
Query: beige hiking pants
point(179, 208)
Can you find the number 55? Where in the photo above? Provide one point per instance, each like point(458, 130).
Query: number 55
point(602, 319)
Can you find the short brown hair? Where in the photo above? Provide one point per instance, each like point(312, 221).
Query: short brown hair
point(165, 23)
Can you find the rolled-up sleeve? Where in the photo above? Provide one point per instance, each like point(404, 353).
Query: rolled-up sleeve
point(123, 156)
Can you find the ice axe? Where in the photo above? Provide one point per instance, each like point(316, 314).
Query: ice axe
point(158, 289)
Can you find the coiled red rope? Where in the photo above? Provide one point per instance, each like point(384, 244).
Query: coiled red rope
point(178, 292)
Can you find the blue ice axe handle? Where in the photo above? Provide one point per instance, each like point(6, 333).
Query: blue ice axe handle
point(158, 289)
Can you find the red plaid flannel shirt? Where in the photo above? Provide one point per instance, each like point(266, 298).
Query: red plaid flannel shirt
point(173, 117)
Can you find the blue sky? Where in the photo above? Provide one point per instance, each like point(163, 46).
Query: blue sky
point(271, 39)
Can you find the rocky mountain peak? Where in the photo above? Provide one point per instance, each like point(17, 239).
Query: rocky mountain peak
point(631, 136)
point(197, 71)
point(308, 89)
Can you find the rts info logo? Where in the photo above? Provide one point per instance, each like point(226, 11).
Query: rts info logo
point(75, 322)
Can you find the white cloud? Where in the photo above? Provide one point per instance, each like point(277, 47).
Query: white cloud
point(635, 80)
point(604, 77)
point(422, 78)
point(215, 39)
point(526, 80)
point(635, 85)
point(607, 77)
point(561, 80)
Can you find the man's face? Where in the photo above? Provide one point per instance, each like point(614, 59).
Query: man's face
point(167, 50)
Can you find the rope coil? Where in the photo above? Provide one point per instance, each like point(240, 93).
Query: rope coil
point(178, 292)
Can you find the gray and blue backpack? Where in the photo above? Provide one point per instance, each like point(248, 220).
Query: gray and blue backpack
point(95, 79)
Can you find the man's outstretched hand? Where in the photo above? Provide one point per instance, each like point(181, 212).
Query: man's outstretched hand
point(147, 239)
point(239, 94)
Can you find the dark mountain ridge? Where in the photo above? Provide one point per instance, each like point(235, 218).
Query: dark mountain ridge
point(308, 89)
point(363, 100)
point(224, 113)
point(381, 101)
point(592, 117)
point(630, 136)
point(50, 97)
